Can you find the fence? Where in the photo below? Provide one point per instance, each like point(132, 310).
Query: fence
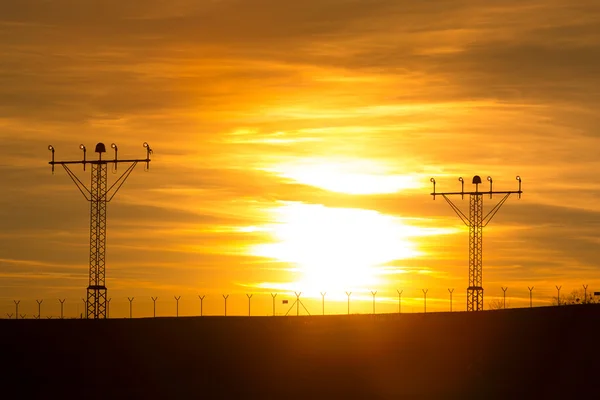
point(296, 303)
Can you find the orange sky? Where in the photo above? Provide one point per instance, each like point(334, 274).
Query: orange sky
point(293, 146)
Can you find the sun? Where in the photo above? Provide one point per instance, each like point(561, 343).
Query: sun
point(336, 249)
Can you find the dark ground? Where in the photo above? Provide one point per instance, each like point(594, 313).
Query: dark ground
point(550, 352)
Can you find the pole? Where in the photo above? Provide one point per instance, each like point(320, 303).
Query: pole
point(225, 298)
point(177, 305)
point(323, 302)
point(504, 289)
point(249, 297)
point(17, 308)
point(273, 295)
point(585, 294)
point(399, 300)
point(130, 306)
point(154, 306)
point(476, 221)
point(558, 297)
point(98, 194)
point(39, 303)
point(425, 299)
point(201, 303)
point(62, 303)
point(297, 303)
point(108, 308)
point(451, 291)
point(374, 293)
point(530, 296)
point(348, 294)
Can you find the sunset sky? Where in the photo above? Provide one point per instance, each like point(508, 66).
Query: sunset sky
point(293, 146)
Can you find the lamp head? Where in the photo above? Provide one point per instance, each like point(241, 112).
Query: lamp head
point(100, 148)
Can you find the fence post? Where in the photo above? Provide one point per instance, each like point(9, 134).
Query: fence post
point(130, 306)
point(348, 294)
point(400, 300)
point(154, 306)
point(504, 289)
point(177, 305)
point(201, 304)
point(225, 298)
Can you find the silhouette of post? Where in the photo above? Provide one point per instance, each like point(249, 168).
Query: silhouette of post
point(130, 306)
point(177, 305)
point(400, 300)
point(451, 291)
point(585, 294)
point(99, 194)
point(504, 289)
point(323, 302)
point(476, 221)
point(108, 308)
point(298, 303)
point(249, 298)
point(84, 306)
point(201, 304)
point(39, 303)
point(225, 298)
point(17, 308)
point(273, 295)
point(374, 293)
point(348, 294)
point(154, 306)
point(62, 303)
point(425, 299)
point(530, 296)
point(558, 297)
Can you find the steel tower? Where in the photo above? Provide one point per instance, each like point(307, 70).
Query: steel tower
point(99, 194)
point(476, 221)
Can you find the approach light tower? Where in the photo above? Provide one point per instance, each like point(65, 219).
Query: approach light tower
point(98, 195)
point(476, 222)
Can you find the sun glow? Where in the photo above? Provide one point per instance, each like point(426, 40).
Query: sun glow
point(338, 249)
point(352, 176)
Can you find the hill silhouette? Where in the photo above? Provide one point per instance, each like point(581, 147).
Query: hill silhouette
point(547, 352)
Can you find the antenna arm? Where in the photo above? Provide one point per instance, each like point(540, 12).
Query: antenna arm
point(460, 214)
point(486, 220)
point(82, 188)
point(119, 182)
